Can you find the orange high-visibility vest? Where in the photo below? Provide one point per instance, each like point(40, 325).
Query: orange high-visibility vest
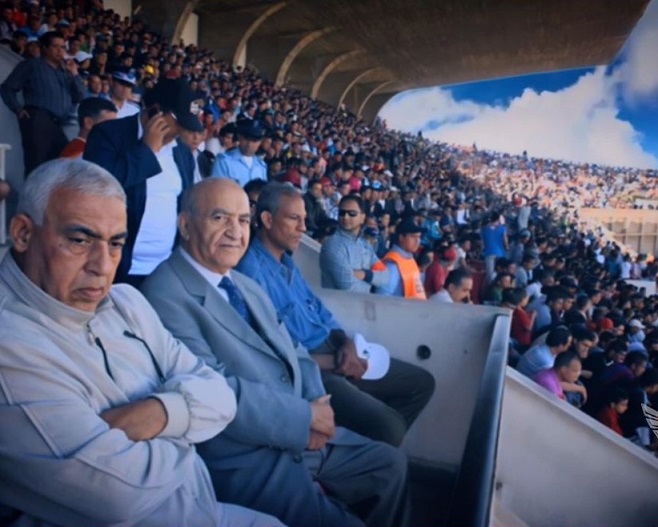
point(412, 285)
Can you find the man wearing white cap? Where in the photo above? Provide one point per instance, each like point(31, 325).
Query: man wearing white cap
point(120, 94)
point(636, 331)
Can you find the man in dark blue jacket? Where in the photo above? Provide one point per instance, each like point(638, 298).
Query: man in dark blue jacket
point(154, 170)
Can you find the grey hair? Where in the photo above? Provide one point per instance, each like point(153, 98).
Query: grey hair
point(74, 174)
point(269, 199)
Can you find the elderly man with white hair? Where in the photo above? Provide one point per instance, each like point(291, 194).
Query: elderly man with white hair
point(100, 406)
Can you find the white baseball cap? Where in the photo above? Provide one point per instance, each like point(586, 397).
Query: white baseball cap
point(378, 357)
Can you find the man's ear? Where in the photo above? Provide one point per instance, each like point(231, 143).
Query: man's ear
point(21, 231)
point(184, 226)
point(266, 219)
point(88, 123)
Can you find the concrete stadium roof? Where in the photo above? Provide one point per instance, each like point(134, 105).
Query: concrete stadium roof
point(362, 52)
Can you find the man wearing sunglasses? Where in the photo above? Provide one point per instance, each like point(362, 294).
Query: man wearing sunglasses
point(381, 409)
point(347, 260)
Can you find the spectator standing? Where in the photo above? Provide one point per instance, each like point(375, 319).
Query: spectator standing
point(347, 260)
point(524, 211)
point(241, 164)
point(494, 239)
point(50, 87)
point(7, 24)
point(142, 154)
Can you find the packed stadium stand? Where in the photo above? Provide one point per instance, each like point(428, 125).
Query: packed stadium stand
point(511, 434)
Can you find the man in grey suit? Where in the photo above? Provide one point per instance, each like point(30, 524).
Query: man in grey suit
point(283, 453)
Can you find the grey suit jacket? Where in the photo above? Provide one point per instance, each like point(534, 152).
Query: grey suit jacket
point(272, 379)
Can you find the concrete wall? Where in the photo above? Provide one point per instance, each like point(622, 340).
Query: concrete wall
point(459, 339)
point(635, 228)
point(457, 335)
point(190, 33)
point(9, 132)
point(123, 7)
point(558, 467)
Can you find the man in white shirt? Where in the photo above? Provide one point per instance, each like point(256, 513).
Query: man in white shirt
point(141, 152)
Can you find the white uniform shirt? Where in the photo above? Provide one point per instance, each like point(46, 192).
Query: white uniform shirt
point(157, 230)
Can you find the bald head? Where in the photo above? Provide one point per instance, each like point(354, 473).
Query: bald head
point(190, 200)
point(214, 223)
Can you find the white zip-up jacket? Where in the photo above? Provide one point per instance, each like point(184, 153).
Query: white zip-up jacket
point(60, 463)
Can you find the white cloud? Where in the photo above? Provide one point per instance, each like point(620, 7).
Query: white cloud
point(578, 123)
point(639, 74)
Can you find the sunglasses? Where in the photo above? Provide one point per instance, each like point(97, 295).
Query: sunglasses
point(350, 213)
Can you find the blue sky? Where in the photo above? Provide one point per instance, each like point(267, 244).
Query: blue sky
point(606, 114)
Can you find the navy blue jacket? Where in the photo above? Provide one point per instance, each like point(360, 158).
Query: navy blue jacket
point(114, 146)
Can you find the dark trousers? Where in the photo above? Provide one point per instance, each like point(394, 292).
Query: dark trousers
point(42, 137)
point(384, 409)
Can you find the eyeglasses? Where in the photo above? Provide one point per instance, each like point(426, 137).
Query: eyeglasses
point(130, 335)
point(350, 213)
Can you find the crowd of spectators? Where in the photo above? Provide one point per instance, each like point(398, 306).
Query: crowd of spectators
point(397, 214)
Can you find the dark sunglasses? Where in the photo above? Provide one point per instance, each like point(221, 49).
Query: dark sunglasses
point(350, 213)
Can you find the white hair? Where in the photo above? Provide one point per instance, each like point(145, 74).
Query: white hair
point(75, 174)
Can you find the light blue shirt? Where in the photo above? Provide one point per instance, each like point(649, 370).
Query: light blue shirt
point(394, 286)
point(535, 360)
point(344, 253)
point(232, 165)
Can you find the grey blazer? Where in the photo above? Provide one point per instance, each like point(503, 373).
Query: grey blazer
point(273, 380)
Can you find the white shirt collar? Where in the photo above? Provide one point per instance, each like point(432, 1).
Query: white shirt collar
point(211, 277)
